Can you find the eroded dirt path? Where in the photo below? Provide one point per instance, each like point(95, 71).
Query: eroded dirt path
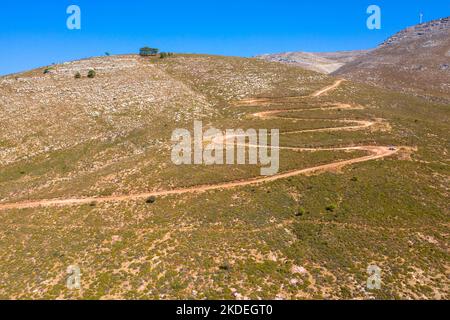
point(329, 88)
point(375, 152)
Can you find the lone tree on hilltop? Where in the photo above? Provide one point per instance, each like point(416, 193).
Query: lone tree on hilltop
point(146, 51)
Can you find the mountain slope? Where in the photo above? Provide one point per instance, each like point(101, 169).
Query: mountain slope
point(303, 234)
point(118, 117)
point(323, 62)
point(415, 60)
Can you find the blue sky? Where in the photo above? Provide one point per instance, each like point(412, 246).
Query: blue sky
point(34, 33)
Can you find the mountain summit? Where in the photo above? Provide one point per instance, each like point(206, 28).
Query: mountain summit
point(415, 60)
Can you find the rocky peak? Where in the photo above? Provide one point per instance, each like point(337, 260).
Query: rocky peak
point(418, 31)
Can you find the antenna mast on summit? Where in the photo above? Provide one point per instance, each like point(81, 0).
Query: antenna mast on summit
point(421, 18)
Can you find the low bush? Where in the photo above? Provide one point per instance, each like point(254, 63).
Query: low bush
point(225, 266)
point(300, 212)
point(151, 199)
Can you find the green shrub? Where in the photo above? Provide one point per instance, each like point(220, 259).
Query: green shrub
point(77, 75)
point(163, 55)
point(225, 266)
point(91, 74)
point(151, 199)
point(300, 212)
point(331, 208)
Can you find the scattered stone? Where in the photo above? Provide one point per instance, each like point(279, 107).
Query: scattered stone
point(297, 269)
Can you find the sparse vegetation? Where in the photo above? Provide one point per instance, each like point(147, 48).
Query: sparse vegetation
point(77, 75)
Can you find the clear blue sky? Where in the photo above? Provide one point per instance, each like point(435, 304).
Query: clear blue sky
point(34, 33)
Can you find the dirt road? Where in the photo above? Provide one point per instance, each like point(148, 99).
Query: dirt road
point(375, 152)
point(329, 88)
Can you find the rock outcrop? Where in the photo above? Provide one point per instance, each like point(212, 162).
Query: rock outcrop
point(415, 60)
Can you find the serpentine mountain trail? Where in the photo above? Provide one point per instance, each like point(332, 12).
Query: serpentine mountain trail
point(375, 152)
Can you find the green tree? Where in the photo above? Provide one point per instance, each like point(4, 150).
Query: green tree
point(48, 70)
point(147, 51)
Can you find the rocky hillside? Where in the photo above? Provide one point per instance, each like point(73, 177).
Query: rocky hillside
point(323, 62)
point(415, 60)
point(48, 109)
point(122, 117)
point(64, 136)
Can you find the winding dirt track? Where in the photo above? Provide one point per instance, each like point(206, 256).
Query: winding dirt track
point(326, 89)
point(375, 152)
